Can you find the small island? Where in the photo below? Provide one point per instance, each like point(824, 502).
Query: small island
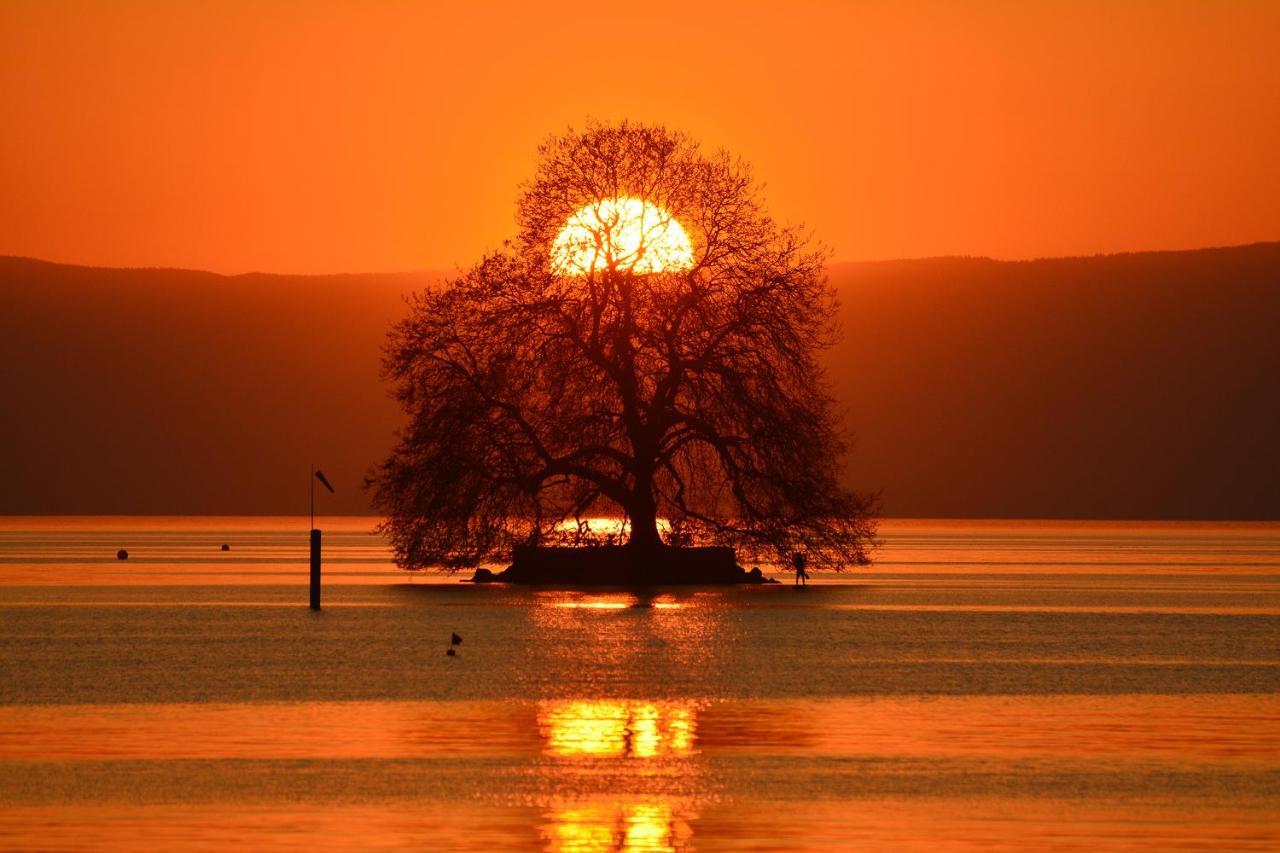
point(616, 565)
point(646, 349)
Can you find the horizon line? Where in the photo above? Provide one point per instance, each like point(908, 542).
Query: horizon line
point(441, 271)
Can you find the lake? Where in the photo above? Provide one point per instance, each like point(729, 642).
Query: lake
point(984, 685)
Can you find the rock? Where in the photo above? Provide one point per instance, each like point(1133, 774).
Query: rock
point(483, 576)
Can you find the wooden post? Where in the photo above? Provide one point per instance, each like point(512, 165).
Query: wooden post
point(315, 569)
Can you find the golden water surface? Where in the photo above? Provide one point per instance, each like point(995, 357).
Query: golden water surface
point(993, 685)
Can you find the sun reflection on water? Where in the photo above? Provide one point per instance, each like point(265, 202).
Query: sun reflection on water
point(631, 733)
point(656, 644)
point(643, 751)
point(613, 604)
point(618, 728)
point(645, 826)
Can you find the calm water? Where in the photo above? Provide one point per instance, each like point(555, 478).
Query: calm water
point(986, 685)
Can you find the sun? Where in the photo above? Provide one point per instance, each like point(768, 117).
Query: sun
point(624, 234)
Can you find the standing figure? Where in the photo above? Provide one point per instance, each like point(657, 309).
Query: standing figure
point(802, 577)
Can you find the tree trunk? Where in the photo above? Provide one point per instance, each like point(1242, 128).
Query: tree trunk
point(644, 529)
point(643, 511)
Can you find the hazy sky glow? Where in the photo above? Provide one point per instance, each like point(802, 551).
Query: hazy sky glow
point(321, 137)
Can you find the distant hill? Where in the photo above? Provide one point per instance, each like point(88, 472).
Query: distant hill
point(1127, 386)
point(168, 391)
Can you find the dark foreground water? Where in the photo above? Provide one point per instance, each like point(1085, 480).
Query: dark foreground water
point(986, 685)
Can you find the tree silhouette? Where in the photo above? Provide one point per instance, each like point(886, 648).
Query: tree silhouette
point(598, 371)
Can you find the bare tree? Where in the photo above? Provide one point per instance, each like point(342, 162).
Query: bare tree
point(657, 362)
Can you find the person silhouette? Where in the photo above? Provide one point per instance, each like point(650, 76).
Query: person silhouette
point(800, 561)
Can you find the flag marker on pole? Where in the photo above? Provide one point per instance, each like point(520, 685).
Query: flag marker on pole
point(315, 536)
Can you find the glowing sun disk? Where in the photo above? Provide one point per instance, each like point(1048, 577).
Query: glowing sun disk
point(626, 234)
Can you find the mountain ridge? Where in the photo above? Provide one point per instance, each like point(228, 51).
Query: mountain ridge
point(45, 262)
point(1131, 385)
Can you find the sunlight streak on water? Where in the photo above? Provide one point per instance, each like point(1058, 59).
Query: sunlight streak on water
point(624, 728)
point(645, 826)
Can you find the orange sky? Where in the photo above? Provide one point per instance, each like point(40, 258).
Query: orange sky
point(315, 137)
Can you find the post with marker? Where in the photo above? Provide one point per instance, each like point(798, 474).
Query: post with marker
point(315, 537)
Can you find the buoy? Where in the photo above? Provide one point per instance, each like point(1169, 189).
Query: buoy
point(455, 640)
point(122, 554)
point(450, 652)
point(226, 547)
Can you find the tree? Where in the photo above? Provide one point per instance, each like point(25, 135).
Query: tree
point(646, 347)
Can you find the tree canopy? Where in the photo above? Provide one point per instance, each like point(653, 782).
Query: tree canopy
point(645, 348)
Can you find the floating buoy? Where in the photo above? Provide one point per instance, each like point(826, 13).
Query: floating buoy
point(226, 547)
point(122, 554)
point(455, 640)
point(450, 652)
